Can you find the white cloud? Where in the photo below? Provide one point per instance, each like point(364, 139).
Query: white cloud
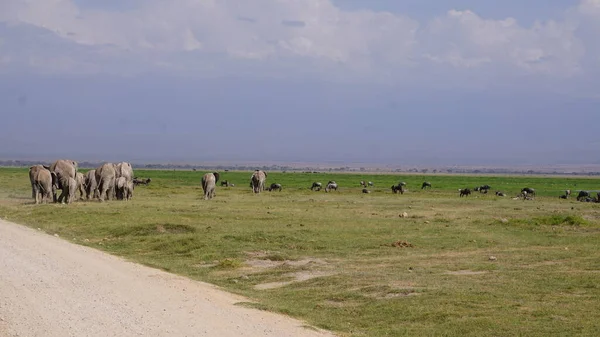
point(307, 35)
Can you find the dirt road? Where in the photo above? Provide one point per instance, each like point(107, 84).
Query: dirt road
point(50, 287)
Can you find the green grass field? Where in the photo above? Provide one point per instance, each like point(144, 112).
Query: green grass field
point(330, 258)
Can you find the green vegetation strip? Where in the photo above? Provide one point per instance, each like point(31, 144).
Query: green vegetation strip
point(349, 262)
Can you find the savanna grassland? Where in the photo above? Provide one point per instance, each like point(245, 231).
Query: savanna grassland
point(346, 261)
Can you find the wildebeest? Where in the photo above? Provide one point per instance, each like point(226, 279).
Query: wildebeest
point(364, 190)
point(275, 187)
point(363, 184)
point(483, 189)
point(500, 194)
point(528, 191)
point(137, 181)
point(370, 183)
point(316, 186)
point(426, 184)
point(567, 193)
point(582, 195)
point(464, 191)
point(331, 185)
point(564, 196)
point(226, 183)
point(398, 188)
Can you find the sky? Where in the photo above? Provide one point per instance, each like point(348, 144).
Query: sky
point(403, 82)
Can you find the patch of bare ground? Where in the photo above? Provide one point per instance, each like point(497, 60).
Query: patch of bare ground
point(261, 260)
point(383, 292)
point(465, 272)
point(296, 277)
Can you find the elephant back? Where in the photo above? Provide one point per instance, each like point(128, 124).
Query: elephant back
point(124, 169)
point(105, 171)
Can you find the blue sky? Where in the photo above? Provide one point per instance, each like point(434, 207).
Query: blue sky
point(393, 82)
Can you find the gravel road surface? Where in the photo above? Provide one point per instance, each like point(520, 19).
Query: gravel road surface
point(50, 287)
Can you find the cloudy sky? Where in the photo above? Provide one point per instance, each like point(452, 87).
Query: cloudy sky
point(404, 82)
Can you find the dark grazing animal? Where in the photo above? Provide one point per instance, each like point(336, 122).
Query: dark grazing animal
point(316, 186)
point(225, 183)
point(398, 188)
point(364, 190)
point(138, 181)
point(426, 184)
point(275, 187)
point(500, 194)
point(583, 195)
point(331, 185)
point(528, 191)
point(464, 192)
point(483, 189)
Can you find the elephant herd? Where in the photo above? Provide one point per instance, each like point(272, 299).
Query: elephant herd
point(108, 181)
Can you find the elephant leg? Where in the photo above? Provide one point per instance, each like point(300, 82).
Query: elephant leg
point(36, 194)
point(62, 196)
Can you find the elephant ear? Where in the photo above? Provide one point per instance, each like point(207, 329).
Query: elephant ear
point(265, 172)
point(216, 174)
point(46, 167)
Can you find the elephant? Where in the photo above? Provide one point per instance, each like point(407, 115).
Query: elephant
point(64, 169)
point(209, 181)
point(123, 189)
point(425, 185)
point(42, 183)
point(124, 169)
point(316, 186)
point(80, 179)
point(464, 192)
point(106, 179)
point(331, 185)
point(91, 187)
point(69, 188)
point(275, 187)
point(258, 180)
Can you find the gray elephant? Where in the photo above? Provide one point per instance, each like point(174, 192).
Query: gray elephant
point(80, 179)
point(258, 180)
point(70, 186)
point(106, 178)
point(209, 181)
point(42, 183)
point(123, 189)
point(125, 170)
point(91, 187)
point(64, 169)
